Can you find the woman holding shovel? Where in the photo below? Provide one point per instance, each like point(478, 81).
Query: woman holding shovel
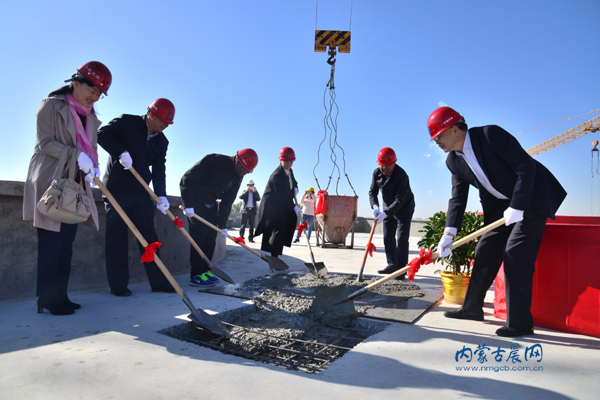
point(65, 120)
point(277, 214)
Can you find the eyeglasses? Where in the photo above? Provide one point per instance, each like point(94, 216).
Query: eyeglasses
point(94, 92)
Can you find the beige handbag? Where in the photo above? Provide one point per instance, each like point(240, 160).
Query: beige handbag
point(65, 200)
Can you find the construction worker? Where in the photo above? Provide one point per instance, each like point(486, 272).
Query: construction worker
point(215, 177)
point(66, 119)
point(397, 211)
point(512, 185)
point(250, 198)
point(138, 141)
point(307, 203)
point(278, 214)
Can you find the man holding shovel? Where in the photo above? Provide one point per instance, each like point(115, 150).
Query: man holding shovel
point(138, 141)
point(398, 209)
point(512, 185)
point(215, 177)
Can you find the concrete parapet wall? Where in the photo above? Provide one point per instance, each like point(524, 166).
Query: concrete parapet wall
point(18, 247)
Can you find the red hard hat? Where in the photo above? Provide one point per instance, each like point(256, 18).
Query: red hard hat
point(248, 158)
point(386, 156)
point(442, 119)
point(287, 154)
point(97, 73)
point(163, 109)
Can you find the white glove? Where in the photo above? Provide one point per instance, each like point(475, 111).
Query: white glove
point(379, 218)
point(189, 212)
point(445, 242)
point(297, 210)
point(223, 233)
point(164, 206)
point(85, 163)
point(90, 177)
point(512, 216)
point(125, 160)
point(295, 191)
point(376, 210)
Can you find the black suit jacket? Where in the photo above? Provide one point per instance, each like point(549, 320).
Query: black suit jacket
point(255, 199)
point(210, 179)
point(277, 204)
point(130, 133)
point(398, 198)
point(527, 184)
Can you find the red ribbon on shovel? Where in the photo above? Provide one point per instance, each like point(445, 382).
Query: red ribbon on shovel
point(423, 259)
point(371, 248)
point(301, 227)
point(178, 223)
point(239, 240)
point(149, 251)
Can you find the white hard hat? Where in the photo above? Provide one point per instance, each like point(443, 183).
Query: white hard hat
point(250, 182)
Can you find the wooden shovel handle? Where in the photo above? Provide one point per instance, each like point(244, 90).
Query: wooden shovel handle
point(454, 245)
point(169, 213)
point(199, 218)
point(364, 260)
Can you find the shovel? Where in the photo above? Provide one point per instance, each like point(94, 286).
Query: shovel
point(218, 272)
point(274, 262)
point(340, 299)
point(318, 269)
point(364, 260)
point(197, 316)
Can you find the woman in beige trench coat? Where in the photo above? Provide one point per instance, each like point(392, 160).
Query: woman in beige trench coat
point(65, 118)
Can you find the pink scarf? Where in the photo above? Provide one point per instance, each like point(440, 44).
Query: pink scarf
point(84, 136)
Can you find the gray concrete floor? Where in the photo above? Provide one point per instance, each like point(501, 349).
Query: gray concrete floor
point(110, 349)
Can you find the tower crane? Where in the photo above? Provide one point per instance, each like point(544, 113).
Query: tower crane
point(593, 125)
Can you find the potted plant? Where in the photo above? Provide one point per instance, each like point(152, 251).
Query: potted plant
point(458, 264)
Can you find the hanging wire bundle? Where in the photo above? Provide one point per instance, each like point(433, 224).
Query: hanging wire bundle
point(330, 127)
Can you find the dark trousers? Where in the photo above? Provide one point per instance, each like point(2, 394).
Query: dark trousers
point(396, 232)
point(140, 210)
point(204, 236)
point(517, 246)
point(248, 218)
point(55, 250)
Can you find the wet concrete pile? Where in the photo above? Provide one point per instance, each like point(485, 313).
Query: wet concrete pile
point(284, 329)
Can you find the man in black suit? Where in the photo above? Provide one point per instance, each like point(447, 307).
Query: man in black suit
point(250, 197)
point(398, 208)
point(208, 189)
point(139, 141)
point(511, 184)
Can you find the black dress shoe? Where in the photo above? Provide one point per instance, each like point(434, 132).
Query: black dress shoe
point(462, 314)
point(296, 240)
point(388, 270)
point(74, 306)
point(123, 292)
point(251, 240)
point(164, 289)
point(56, 307)
point(510, 332)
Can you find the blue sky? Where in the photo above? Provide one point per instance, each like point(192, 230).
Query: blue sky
point(245, 74)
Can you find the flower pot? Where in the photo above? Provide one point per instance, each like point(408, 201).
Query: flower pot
point(455, 287)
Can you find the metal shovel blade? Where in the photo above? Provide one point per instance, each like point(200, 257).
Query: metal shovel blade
point(218, 272)
point(317, 269)
point(276, 263)
point(208, 322)
point(335, 300)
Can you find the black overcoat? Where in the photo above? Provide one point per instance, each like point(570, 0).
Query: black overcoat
point(277, 220)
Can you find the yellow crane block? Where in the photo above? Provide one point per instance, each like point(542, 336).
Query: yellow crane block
point(333, 39)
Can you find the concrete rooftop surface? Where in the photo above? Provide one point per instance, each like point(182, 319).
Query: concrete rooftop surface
point(111, 348)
